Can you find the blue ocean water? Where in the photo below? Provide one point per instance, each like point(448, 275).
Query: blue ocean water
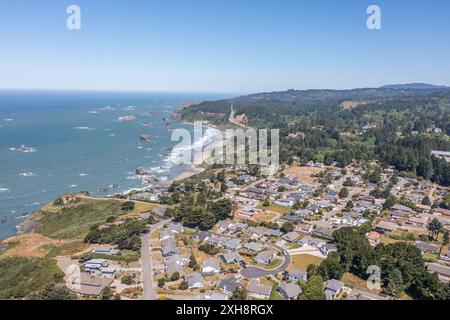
point(75, 141)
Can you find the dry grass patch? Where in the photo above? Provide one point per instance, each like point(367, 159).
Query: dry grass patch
point(29, 245)
point(303, 174)
point(302, 261)
point(266, 216)
point(353, 281)
point(274, 209)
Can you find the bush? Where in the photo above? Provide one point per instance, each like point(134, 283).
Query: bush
point(184, 285)
point(127, 279)
point(161, 282)
point(175, 276)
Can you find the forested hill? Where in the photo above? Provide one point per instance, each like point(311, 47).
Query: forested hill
point(299, 101)
point(398, 127)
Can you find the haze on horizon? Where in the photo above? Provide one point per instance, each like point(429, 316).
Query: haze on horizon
point(222, 46)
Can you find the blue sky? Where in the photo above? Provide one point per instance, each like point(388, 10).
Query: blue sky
point(222, 46)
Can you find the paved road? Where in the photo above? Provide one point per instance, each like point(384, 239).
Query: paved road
point(231, 120)
point(256, 272)
point(146, 259)
point(149, 291)
point(253, 272)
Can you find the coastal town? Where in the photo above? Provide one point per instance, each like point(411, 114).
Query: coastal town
point(270, 237)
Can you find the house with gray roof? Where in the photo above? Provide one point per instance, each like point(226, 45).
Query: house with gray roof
point(304, 228)
point(231, 257)
point(233, 244)
point(169, 247)
point(257, 290)
point(265, 257)
point(292, 218)
point(238, 227)
point(254, 246)
point(202, 236)
point(297, 275)
point(426, 247)
point(310, 241)
point(325, 204)
point(176, 258)
point(94, 266)
point(328, 248)
point(228, 286)
point(323, 232)
point(401, 207)
point(194, 280)
point(333, 289)
point(386, 227)
point(291, 236)
point(171, 267)
point(89, 286)
point(285, 202)
point(273, 233)
point(223, 225)
point(211, 266)
point(289, 291)
point(255, 231)
point(217, 240)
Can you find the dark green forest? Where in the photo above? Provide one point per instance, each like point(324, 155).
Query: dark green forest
point(398, 127)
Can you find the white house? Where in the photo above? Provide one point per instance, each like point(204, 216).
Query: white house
point(211, 266)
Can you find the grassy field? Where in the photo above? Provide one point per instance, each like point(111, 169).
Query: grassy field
point(302, 261)
point(275, 208)
point(75, 221)
point(303, 174)
point(125, 256)
point(353, 281)
point(28, 246)
point(21, 277)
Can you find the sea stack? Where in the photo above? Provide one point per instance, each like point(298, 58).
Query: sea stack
point(144, 138)
point(142, 172)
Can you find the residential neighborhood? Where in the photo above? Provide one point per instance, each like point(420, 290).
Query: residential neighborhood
point(276, 235)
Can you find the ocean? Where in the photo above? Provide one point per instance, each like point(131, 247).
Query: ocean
point(57, 142)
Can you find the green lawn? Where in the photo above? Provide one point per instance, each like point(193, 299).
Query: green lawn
point(75, 221)
point(274, 294)
point(430, 257)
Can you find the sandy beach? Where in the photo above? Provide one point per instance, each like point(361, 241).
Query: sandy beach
point(190, 170)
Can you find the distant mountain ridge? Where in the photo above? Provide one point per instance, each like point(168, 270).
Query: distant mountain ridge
point(416, 86)
point(307, 101)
